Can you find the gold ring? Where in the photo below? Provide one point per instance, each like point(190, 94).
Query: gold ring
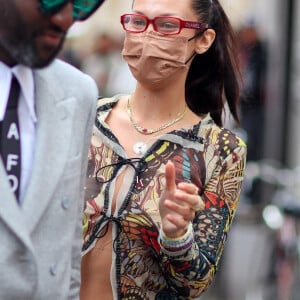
point(199, 206)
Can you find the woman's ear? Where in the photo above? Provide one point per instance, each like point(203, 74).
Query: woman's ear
point(203, 42)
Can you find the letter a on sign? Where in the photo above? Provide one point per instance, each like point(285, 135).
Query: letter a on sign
point(13, 132)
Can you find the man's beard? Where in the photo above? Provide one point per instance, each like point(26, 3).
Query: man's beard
point(24, 52)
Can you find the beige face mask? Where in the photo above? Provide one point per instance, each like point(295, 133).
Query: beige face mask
point(152, 58)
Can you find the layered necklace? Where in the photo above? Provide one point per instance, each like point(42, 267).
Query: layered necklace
point(140, 148)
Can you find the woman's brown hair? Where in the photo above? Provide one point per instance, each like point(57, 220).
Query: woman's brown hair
point(213, 77)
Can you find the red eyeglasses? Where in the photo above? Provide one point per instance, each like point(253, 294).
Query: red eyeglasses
point(165, 25)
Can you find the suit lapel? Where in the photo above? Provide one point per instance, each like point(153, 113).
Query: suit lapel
point(54, 129)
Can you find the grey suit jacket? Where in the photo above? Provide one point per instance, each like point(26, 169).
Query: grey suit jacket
point(40, 241)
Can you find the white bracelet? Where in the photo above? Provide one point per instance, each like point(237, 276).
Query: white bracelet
point(177, 244)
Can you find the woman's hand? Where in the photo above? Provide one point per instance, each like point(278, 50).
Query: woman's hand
point(178, 204)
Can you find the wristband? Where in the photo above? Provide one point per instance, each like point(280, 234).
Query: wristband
point(179, 244)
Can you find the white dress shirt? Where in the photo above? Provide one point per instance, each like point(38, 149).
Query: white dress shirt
point(26, 113)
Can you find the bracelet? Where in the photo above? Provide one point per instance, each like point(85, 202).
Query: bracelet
point(177, 244)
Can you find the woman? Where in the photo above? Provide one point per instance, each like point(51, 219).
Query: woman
point(164, 177)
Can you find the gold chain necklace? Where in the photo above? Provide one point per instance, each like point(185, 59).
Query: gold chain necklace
point(144, 130)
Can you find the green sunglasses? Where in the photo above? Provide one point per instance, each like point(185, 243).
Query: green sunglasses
point(82, 9)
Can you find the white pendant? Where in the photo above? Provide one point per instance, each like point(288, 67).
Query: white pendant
point(139, 148)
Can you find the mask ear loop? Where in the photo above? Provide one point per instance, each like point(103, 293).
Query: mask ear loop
point(197, 34)
point(191, 57)
point(192, 38)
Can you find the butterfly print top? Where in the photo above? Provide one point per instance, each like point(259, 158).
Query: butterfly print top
point(211, 157)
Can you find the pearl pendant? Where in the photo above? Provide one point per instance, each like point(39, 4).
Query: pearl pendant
point(139, 148)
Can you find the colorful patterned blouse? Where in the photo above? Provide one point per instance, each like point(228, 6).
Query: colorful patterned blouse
point(213, 158)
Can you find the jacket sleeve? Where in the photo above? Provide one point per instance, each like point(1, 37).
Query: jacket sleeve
point(77, 241)
point(191, 273)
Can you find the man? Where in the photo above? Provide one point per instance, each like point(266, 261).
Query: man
point(44, 138)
